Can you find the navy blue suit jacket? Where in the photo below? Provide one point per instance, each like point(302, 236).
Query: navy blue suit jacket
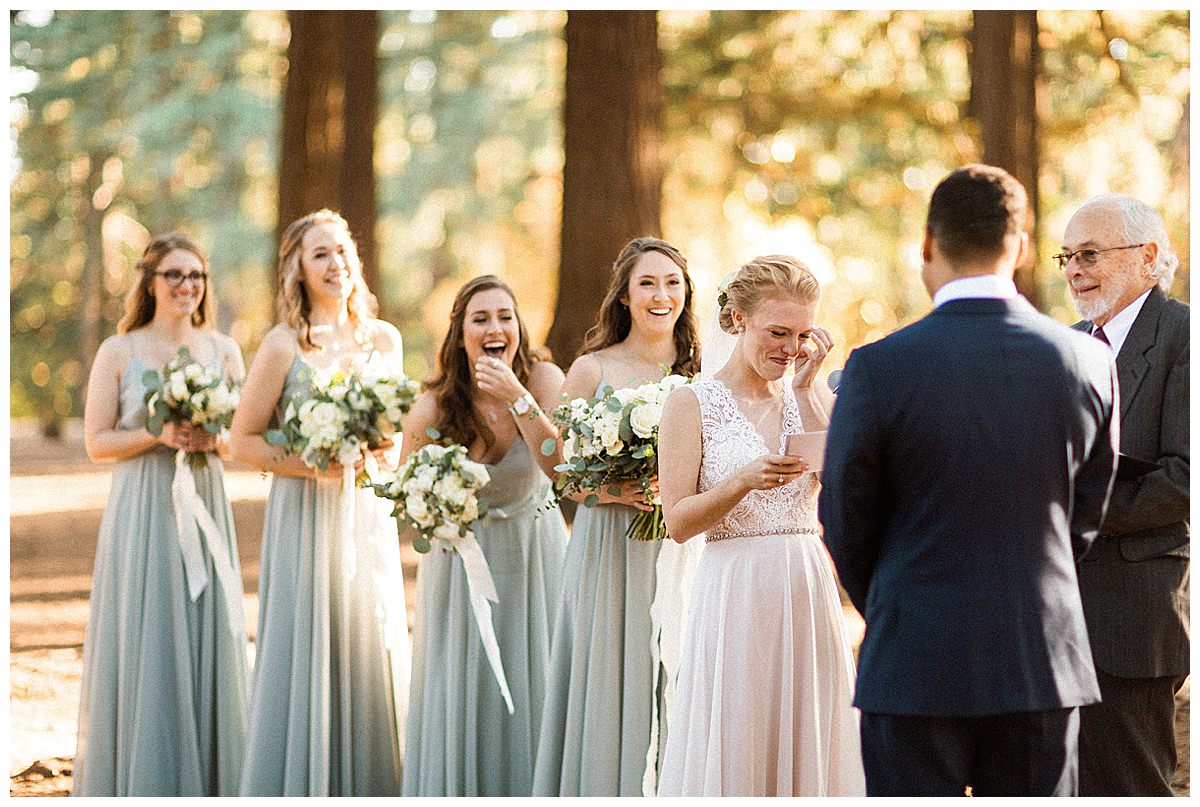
point(969, 462)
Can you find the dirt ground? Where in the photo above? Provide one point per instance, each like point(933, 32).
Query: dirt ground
point(57, 497)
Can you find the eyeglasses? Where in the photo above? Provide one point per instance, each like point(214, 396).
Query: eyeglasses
point(1087, 257)
point(174, 277)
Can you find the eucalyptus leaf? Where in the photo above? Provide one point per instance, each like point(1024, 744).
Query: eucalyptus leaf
point(591, 501)
point(275, 437)
point(154, 425)
point(151, 380)
point(614, 490)
point(421, 544)
point(433, 433)
point(548, 446)
point(625, 431)
point(212, 428)
point(614, 404)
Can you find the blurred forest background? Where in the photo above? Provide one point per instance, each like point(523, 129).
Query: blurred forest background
point(532, 144)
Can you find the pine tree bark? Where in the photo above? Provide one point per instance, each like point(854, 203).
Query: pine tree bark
point(1005, 77)
point(612, 174)
point(330, 108)
point(91, 221)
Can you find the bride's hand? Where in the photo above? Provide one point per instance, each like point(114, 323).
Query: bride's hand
point(809, 359)
point(771, 471)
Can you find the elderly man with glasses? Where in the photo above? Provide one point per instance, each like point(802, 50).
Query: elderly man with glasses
point(1134, 582)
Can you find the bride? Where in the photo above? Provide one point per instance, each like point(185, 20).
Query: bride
point(763, 699)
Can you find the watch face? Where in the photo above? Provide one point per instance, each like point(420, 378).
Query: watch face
point(521, 405)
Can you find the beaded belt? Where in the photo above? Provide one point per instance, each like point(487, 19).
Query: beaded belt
point(722, 536)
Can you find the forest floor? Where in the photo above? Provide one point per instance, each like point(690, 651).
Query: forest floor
point(57, 498)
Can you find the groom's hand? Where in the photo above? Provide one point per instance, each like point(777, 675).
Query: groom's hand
point(771, 471)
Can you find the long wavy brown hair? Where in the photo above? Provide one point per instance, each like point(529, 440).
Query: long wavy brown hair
point(615, 322)
point(292, 305)
point(453, 386)
point(139, 303)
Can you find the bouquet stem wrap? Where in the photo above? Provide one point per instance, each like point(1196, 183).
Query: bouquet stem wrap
point(191, 520)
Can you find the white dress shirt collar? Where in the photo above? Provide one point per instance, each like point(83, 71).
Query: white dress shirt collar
point(977, 286)
point(1117, 328)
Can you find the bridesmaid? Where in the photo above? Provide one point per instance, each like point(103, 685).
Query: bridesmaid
point(163, 700)
point(491, 395)
point(332, 662)
point(603, 686)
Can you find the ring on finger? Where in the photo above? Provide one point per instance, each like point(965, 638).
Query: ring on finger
point(781, 479)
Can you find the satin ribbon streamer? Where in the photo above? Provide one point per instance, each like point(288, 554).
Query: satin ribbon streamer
point(192, 520)
point(481, 589)
point(674, 572)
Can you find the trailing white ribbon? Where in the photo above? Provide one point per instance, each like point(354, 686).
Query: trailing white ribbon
point(480, 589)
point(191, 520)
point(674, 572)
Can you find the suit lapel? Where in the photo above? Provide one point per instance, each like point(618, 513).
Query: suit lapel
point(1131, 361)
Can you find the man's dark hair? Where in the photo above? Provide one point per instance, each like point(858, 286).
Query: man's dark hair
point(973, 209)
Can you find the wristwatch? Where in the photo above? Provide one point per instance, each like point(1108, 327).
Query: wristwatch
point(523, 405)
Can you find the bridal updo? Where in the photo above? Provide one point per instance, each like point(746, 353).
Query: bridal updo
point(764, 278)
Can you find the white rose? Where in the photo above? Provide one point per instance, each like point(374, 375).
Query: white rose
point(193, 372)
point(476, 472)
point(450, 489)
point(178, 387)
point(608, 431)
point(423, 478)
point(470, 509)
point(415, 507)
point(644, 419)
point(625, 395)
point(568, 449)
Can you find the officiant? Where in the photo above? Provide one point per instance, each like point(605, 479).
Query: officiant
point(1118, 265)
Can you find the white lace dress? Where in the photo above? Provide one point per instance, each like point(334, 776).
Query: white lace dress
point(763, 700)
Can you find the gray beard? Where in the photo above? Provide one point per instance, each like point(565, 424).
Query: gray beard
point(1099, 306)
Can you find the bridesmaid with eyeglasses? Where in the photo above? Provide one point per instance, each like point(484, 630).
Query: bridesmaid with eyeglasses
point(165, 682)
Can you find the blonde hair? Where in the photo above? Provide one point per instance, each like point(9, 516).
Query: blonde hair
point(292, 305)
point(766, 277)
point(139, 303)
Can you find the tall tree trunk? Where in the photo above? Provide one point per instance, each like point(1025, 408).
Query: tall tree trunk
point(330, 107)
point(92, 300)
point(1004, 91)
point(612, 176)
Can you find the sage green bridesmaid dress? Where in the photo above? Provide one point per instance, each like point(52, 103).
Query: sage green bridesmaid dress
point(461, 741)
point(332, 664)
point(604, 686)
point(165, 682)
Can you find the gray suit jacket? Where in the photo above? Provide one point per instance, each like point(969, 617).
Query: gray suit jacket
point(1134, 582)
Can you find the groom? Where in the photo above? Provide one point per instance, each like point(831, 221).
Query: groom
point(969, 462)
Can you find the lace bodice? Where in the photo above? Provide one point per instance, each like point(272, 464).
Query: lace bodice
point(728, 442)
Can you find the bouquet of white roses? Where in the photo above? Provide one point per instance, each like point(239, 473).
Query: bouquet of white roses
point(612, 439)
point(345, 413)
point(436, 491)
point(188, 392)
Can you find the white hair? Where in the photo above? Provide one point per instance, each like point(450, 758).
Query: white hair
point(1142, 225)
